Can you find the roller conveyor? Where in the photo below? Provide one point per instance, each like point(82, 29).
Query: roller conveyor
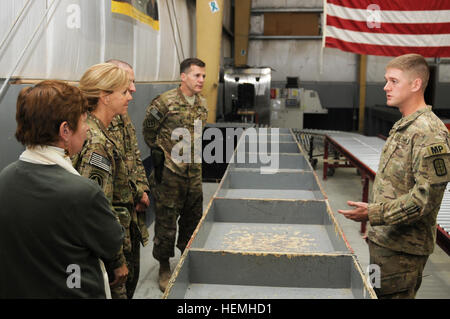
point(443, 218)
point(366, 148)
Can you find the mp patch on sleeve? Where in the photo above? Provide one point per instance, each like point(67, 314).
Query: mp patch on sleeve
point(101, 162)
point(436, 163)
point(437, 149)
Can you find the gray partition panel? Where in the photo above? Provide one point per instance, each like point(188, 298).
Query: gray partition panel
point(267, 146)
point(286, 184)
point(293, 179)
point(282, 161)
point(269, 226)
point(247, 275)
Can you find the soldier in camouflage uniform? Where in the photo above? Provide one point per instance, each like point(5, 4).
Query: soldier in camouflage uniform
point(176, 180)
point(409, 185)
point(122, 129)
point(101, 159)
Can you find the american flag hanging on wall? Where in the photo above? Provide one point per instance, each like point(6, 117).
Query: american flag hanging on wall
point(389, 28)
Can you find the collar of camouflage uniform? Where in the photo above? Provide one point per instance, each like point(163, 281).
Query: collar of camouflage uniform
point(405, 121)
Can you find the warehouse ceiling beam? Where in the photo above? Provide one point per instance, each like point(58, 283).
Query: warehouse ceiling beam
point(209, 16)
point(242, 11)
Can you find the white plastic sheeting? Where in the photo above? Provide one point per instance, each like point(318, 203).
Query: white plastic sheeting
point(80, 33)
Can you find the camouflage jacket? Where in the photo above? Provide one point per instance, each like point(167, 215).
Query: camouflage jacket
point(410, 183)
point(101, 160)
point(170, 114)
point(124, 133)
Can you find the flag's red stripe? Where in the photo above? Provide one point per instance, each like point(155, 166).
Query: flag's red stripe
point(386, 50)
point(392, 28)
point(408, 5)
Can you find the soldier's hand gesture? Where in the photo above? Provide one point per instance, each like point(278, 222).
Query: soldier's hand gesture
point(359, 214)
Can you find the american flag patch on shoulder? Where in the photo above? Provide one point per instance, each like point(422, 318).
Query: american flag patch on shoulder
point(101, 162)
point(156, 114)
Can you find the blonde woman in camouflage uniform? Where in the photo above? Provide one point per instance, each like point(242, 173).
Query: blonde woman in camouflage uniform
point(101, 159)
point(411, 179)
point(176, 186)
point(124, 132)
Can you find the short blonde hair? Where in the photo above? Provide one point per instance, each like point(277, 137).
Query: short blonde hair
point(102, 77)
point(414, 64)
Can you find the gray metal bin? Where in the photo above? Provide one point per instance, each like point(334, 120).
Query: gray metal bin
point(289, 226)
point(269, 235)
point(219, 274)
point(286, 184)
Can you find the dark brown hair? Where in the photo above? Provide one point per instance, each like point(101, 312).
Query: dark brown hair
point(41, 109)
point(186, 64)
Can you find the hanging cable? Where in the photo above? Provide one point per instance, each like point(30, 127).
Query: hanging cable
point(173, 34)
point(25, 48)
point(14, 24)
point(178, 30)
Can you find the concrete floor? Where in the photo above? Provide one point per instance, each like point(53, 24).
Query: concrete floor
point(344, 185)
point(148, 277)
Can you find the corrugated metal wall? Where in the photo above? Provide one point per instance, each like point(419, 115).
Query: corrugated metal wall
point(299, 58)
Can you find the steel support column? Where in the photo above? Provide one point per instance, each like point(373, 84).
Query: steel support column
point(242, 9)
point(362, 91)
